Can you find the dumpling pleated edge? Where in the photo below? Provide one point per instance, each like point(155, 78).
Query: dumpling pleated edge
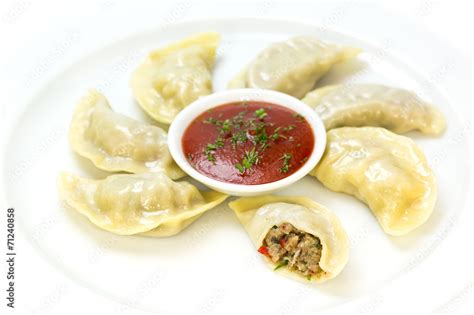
point(433, 123)
point(208, 40)
point(419, 211)
point(69, 191)
point(213, 199)
point(79, 144)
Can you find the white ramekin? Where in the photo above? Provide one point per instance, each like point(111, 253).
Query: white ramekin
point(189, 113)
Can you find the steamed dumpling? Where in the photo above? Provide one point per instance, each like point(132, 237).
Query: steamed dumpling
point(173, 77)
point(297, 236)
point(114, 142)
point(357, 105)
point(386, 171)
point(293, 66)
point(150, 204)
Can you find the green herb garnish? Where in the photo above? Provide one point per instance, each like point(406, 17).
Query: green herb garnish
point(260, 113)
point(261, 136)
point(239, 119)
point(240, 136)
point(211, 147)
point(289, 127)
point(263, 146)
point(226, 126)
point(275, 134)
point(249, 160)
point(209, 151)
point(219, 142)
point(286, 162)
point(210, 157)
point(247, 126)
point(281, 264)
point(240, 168)
point(212, 121)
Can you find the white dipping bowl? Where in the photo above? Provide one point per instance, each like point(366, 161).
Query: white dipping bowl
point(189, 113)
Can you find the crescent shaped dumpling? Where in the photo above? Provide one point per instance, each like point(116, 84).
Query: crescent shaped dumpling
point(174, 76)
point(149, 203)
point(357, 105)
point(297, 236)
point(114, 142)
point(293, 66)
point(386, 171)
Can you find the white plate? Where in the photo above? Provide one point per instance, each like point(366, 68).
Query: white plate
point(213, 260)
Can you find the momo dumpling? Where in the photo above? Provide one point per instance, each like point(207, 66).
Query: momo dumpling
point(173, 77)
point(357, 105)
point(114, 142)
point(149, 203)
point(293, 66)
point(386, 171)
point(297, 236)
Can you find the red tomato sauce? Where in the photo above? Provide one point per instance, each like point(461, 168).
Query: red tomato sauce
point(248, 143)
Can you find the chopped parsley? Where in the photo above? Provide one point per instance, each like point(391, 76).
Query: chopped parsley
point(281, 264)
point(260, 113)
point(240, 168)
point(238, 120)
point(286, 162)
point(225, 126)
point(249, 126)
point(261, 136)
point(209, 152)
point(240, 136)
point(275, 135)
point(250, 159)
point(219, 142)
point(211, 157)
point(289, 127)
point(212, 121)
point(211, 147)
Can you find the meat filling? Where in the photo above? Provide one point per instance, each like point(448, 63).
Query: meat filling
point(287, 246)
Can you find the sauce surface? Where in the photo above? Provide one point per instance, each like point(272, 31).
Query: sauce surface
point(248, 143)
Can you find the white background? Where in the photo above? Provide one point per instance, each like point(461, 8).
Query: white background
point(36, 43)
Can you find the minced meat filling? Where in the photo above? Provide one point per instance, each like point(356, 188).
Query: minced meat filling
point(298, 250)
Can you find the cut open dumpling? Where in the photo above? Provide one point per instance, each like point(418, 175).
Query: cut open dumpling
point(150, 203)
point(174, 76)
point(386, 171)
point(114, 142)
point(357, 105)
point(297, 236)
point(293, 66)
